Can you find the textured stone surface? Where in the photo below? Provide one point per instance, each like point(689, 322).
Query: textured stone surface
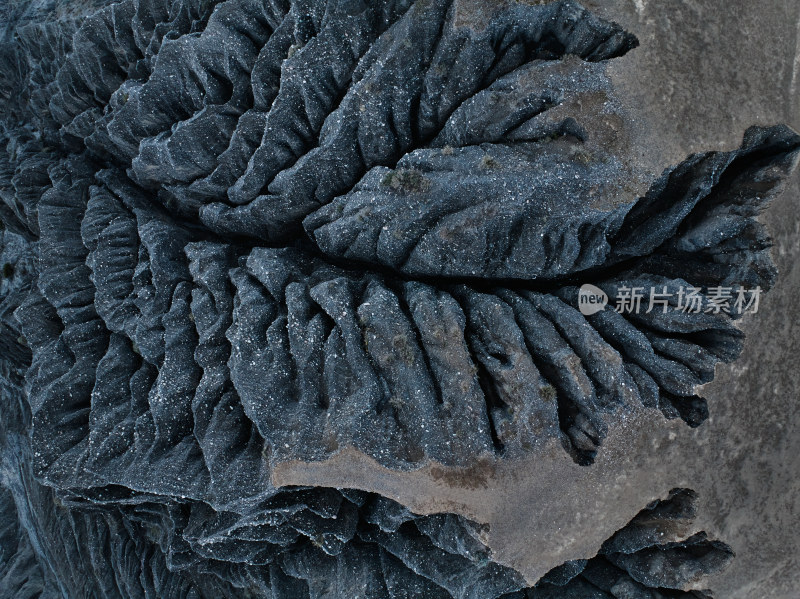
point(337, 244)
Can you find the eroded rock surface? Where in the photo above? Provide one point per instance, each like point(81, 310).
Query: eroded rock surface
point(242, 233)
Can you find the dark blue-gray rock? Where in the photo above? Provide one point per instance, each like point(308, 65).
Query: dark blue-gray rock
point(246, 233)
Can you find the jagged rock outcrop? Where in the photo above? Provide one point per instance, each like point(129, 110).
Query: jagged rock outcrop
point(243, 232)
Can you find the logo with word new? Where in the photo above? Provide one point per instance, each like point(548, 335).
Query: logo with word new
point(591, 300)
